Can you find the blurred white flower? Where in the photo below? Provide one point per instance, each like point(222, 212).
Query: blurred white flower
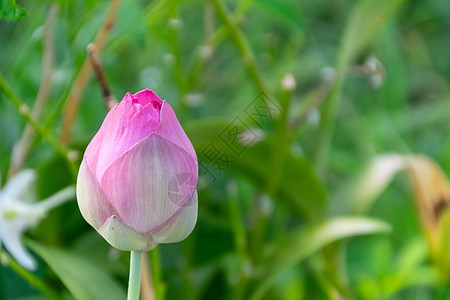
point(251, 136)
point(376, 72)
point(328, 73)
point(20, 211)
point(288, 82)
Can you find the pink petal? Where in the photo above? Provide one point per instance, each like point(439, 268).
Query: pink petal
point(125, 238)
point(148, 99)
point(124, 126)
point(93, 204)
point(149, 183)
point(180, 225)
point(170, 128)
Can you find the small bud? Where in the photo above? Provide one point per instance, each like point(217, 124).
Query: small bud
point(175, 24)
point(251, 136)
point(24, 109)
point(73, 155)
point(288, 83)
point(206, 52)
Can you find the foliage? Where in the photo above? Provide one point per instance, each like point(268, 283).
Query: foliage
point(277, 214)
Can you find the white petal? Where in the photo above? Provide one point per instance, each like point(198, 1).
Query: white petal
point(56, 199)
point(20, 186)
point(14, 246)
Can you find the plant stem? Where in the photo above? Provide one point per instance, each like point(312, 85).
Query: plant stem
point(147, 290)
point(155, 268)
point(134, 284)
point(21, 151)
point(77, 89)
point(242, 44)
point(277, 161)
point(25, 112)
point(109, 99)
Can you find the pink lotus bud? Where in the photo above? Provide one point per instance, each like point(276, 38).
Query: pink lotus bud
point(136, 184)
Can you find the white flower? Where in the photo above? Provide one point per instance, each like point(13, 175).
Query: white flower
point(20, 211)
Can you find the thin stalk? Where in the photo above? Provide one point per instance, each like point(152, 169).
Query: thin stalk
point(277, 161)
point(242, 43)
point(240, 240)
point(155, 267)
point(109, 99)
point(25, 113)
point(134, 283)
point(21, 151)
point(147, 290)
point(77, 90)
point(213, 39)
point(175, 26)
point(327, 126)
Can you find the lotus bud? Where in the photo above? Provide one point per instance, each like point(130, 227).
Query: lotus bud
point(136, 184)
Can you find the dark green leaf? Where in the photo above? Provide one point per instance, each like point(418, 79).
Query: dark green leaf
point(11, 11)
point(82, 278)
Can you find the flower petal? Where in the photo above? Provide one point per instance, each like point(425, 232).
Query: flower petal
point(150, 182)
point(180, 225)
point(170, 128)
point(93, 204)
point(12, 242)
point(125, 238)
point(20, 186)
point(124, 126)
point(148, 99)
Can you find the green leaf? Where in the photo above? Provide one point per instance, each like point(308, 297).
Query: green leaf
point(82, 278)
point(284, 10)
point(300, 189)
point(130, 19)
point(300, 244)
point(10, 11)
point(444, 259)
point(366, 20)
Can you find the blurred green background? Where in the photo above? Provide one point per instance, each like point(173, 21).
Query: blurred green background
point(349, 80)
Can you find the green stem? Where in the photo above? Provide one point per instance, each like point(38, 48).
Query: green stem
point(175, 43)
point(134, 284)
point(29, 277)
point(242, 44)
point(25, 113)
point(155, 267)
point(214, 40)
point(327, 126)
point(279, 152)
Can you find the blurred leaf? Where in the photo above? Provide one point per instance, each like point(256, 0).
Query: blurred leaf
point(283, 9)
point(202, 132)
point(82, 278)
point(130, 20)
point(408, 262)
point(375, 179)
point(300, 244)
point(444, 229)
point(9, 10)
point(300, 189)
point(366, 20)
